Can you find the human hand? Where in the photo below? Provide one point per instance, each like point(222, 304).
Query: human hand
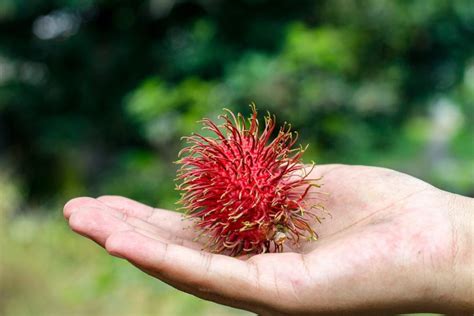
point(393, 243)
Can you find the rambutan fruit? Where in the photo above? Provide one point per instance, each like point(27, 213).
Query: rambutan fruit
point(247, 193)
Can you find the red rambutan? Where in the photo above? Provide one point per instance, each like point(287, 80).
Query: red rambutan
point(246, 193)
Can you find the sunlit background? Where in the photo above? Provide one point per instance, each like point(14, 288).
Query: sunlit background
point(95, 95)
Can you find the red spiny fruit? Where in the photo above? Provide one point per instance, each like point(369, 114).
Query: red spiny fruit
point(247, 193)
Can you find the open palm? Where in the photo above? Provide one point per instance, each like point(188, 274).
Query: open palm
point(387, 245)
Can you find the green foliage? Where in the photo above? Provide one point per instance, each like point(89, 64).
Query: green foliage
point(350, 75)
point(323, 48)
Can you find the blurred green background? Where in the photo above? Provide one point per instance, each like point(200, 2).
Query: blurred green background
point(95, 95)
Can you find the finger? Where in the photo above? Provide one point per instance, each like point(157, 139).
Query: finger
point(95, 224)
point(217, 277)
point(82, 203)
point(128, 206)
point(98, 222)
point(77, 203)
point(173, 222)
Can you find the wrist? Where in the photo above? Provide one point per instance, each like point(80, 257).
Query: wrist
point(460, 264)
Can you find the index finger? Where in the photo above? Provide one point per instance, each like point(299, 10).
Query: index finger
point(210, 276)
point(172, 222)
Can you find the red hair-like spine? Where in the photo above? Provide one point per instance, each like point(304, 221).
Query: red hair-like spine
point(247, 193)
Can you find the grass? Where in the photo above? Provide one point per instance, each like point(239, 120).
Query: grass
point(45, 269)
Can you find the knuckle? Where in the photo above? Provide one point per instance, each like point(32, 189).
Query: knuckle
point(112, 244)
